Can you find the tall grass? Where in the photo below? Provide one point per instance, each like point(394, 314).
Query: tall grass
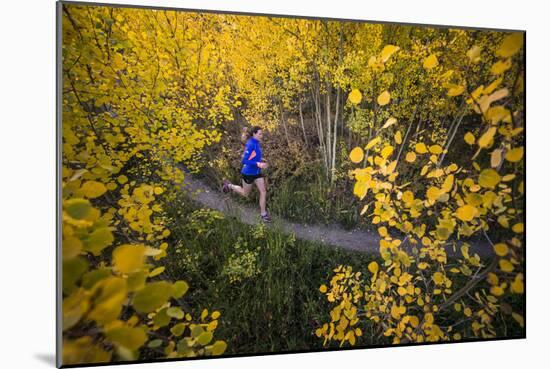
point(313, 200)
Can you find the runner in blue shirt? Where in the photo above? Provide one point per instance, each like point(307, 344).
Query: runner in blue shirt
point(251, 171)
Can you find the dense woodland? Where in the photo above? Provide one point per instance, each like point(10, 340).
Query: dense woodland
point(413, 133)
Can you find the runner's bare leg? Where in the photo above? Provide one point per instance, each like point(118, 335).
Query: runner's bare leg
point(244, 190)
point(263, 194)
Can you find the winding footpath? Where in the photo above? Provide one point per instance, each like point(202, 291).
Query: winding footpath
point(330, 235)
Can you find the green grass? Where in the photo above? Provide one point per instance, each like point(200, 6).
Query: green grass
point(274, 306)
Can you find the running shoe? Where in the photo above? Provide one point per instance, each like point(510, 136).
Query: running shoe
point(225, 187)
point(266, 217)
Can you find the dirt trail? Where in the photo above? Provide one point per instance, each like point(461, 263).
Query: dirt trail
point(330, 235)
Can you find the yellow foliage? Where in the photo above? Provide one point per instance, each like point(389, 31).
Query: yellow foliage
point(391, 121)
point(487, 138)
point(514, 155)
point(356, 155)
point(410, 157)
point(421, 148)
point(469, 138)
point(430, 62)
point(501, 249)
point(373, 142)
point(384, 98)
point(510, 45)
point(355, 96)
point(466, 213)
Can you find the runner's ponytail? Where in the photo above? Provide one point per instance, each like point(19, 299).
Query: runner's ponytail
point(247, 133)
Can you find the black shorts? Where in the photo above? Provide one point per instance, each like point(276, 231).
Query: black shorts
point(249, 179)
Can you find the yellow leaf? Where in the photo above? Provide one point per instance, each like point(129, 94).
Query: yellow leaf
point(477, 92)
point(397, 138)
point(98, 240)
point(382, 231)
point(452, 168)
point(111, 293)
point(373, 267)
point(493, 86)
point(469, 138)
point(127, 337)
point(129, 258)
point(496, 290)
point(514, 155)
point(510, 45)
point(517, 286)
point(474, 54)
point(364, 210)
point(397, 311)
point(93, 189)
point(505, 265)
point(430, 62)
point(518, 318)
point(356, 155)
point(448, 183)
point(389, 122)
point(372, 143)
point(436, 149)
point(410, 157)
point(216, 314)
point(518, 228)
point(436, 173)
point(455, 90)
point(323, 288)
point(503, 221)
point(438, 278)
point(387, 52)
point(156, 271)
point(355, 96)
point(486, 139)
point(501, 249)
point(466, 213)
point(71, 247)
point(492, 278)
point(219, 348)
point(179, 289)
point(421, 148)
point(433, 193)
point(501, 66)
point(375, 64)
point(496, 114)
point(424, 170)
point(488, 178)
point(360, 189)
point(122, 179)
point(386, 151)
point(384, 98)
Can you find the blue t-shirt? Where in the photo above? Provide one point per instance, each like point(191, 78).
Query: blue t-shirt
point(251, 157)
